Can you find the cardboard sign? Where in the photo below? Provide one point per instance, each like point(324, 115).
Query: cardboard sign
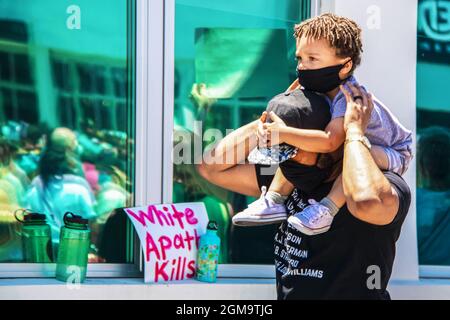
point(169, 235)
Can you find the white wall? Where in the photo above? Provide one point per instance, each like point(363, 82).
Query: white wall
point(388, 70)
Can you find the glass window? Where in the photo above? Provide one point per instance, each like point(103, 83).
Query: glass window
point(19, 94)
point(433, 132)
point(244, 54)
point(67, 121)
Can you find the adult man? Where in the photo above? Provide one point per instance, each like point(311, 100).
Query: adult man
point(354, 259)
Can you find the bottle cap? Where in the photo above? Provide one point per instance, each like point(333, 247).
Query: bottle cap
point(29, 217)
point(35, 217)
point(212, 225)
point(69, 217)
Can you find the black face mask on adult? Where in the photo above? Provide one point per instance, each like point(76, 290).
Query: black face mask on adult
point(305, 178)
point(321, 80)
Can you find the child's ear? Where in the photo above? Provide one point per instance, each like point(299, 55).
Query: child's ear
point(345, 71)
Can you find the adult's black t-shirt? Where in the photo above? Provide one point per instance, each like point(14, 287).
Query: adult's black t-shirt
point(353, 260)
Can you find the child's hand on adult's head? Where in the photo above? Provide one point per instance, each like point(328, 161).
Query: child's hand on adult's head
point(359, 109)
point(273, 129)
point(263, 117)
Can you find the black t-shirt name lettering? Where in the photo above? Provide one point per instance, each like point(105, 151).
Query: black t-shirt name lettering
point(334, 265)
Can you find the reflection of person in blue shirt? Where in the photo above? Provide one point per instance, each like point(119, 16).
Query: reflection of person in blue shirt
point(60, 187)
point(433, 196)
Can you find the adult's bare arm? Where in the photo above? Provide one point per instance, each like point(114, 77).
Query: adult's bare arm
point(369, 195)
point(234, 148)
point(225, 165)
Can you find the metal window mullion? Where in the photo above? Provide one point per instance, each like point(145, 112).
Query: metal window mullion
point(41, 270)
point(434, 272)
point(46, 97)
point(2, 108)
point(168, 106)
point(92, 96)
point(155, 104)
point(315, 7)
point(113, 109)
point(230, 103)
point(14, 99)
point(76, 94)
point(16, 86)
point(149, 106)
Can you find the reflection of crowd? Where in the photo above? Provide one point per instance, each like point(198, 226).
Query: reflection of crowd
point(59, 170)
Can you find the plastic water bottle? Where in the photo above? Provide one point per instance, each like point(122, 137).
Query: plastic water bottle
point(208, 254)
point(73, 249)
point(36, 237)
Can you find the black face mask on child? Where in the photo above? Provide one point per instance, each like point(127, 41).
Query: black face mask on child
point(321, 80)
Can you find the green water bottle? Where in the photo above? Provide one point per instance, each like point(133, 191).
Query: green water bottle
point(73, 249)
point(208, 254)
point(36, 237)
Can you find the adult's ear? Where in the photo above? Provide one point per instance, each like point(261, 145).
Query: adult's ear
point(294, 85)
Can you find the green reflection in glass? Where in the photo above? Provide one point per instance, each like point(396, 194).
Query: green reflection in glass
point(67, 118)
point(433, 132)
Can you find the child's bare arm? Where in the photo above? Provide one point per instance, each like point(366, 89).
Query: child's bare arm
point(309, 140)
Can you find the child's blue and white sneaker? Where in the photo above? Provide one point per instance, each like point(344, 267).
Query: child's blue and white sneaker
point(314, 219)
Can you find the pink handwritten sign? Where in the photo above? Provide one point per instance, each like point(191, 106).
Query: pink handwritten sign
point(169, 235)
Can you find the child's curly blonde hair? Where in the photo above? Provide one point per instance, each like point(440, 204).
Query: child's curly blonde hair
point(342, 33)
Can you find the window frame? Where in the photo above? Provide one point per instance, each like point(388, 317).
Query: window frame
point(430, 271)
point(138, 15)
point(18, 48)
point(74, 61)
point(434, 272)
point(224, 270)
